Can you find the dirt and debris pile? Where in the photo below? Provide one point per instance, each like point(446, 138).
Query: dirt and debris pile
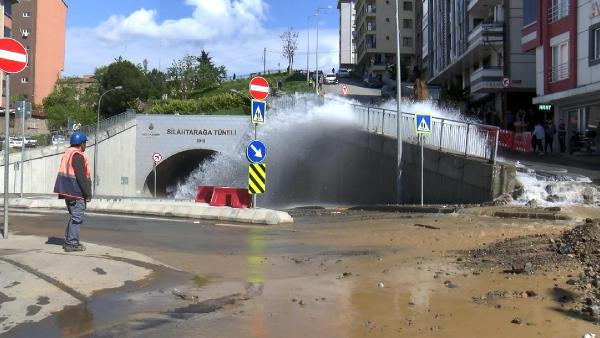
point(523, 254)
point(583, 243)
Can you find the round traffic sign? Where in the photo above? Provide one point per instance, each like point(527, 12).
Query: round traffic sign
point(13, 56)
point(256, 152)
point(505, 82)
point(259, 88)
point(157, 157)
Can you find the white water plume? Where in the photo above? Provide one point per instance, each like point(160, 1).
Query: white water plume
point(289, 135)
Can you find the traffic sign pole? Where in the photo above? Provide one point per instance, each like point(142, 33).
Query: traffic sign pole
point(155, 180)
point(6, 155)
point(422, 167)
point(254, 197)
point(22, 168)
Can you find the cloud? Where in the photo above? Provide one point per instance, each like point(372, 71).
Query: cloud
point(232, 31)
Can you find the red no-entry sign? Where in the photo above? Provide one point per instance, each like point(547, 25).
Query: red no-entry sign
point(259, 88)
point(13, 56)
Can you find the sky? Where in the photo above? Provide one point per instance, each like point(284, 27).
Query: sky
point(234, 32)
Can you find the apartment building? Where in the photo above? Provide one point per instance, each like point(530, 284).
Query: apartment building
point(40, 25)
point(565, 35)
point(6, 21)
point(347, 33)
point(474, 47)
point(376, 37)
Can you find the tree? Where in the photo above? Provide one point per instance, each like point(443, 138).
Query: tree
point(68, 102)
point(123, 73)
point(289, 40)
point(192, 73)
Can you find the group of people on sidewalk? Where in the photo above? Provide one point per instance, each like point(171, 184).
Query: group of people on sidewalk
point(543, 136)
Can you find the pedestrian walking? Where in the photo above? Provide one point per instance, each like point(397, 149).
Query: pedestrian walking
point(562, 135)
point(550, 131)
point(73, 184)
point(539, 134)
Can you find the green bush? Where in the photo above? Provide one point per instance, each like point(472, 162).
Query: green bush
point(172, 107)
point(224, 101)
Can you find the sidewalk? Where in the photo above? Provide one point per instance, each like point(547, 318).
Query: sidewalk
point(162, 208)
point(582, 164)
point(38, 279)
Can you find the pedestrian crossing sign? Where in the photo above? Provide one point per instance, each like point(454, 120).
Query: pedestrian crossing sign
point(259, 109)
point(423, 123)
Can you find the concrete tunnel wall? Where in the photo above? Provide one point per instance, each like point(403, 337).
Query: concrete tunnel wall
point(365, 173)
point(116, 177)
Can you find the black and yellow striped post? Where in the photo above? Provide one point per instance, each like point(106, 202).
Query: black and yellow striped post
point(257, 178)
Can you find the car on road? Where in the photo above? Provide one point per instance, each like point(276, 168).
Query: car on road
point(30, 142)
point(331, 79)
point(15, 142)
point(58, 139)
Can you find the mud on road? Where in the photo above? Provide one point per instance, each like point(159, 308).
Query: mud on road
point(340, 273)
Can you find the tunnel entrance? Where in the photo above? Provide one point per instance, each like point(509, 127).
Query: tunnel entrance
point(176, 169)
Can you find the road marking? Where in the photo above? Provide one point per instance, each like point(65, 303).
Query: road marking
point(261, 89)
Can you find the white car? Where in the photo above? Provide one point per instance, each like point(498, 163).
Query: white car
point(15, 142)
point(58, 139)
point(331, 79)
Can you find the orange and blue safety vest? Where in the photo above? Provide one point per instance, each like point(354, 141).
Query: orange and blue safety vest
point(66, 182)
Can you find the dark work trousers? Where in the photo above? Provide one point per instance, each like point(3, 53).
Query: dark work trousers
point(549, 141)
point(76, 210)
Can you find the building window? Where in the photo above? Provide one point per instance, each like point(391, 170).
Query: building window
point(26, 14)
point(387, 19)
point(595, 44)
point(529, 12)
point(7, 7)
point(560, 61)
point(408, 6)
point(558, 10)
point(24, 80)
point(407, 23)
point(7, 32)
point(407, 42)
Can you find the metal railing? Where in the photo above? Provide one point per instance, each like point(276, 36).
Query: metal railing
point(558, 11)
point(62, 136)
point(448, 135)
point(559, 72)
point(465, 138)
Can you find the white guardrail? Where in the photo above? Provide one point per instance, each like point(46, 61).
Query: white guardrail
point(465, 138)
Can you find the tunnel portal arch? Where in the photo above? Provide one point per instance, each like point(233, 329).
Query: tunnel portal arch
point(175, 169)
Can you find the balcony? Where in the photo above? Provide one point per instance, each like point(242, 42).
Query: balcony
point(371, 27)
point(482, 5)
point(558, 11)
point(486, 34)
point(486, 79)
point(559, 72)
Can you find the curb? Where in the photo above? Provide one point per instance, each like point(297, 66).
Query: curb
point(165, 208)
point(532, 215)
point(427, 209)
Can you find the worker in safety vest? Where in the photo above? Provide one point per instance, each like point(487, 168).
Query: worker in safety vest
point(73, 184)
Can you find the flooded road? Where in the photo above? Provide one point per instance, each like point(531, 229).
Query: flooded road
point(336, 273)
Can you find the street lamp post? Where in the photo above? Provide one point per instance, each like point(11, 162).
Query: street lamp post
point(399, 107)
point(308, 48)
point(317, 51)
point(95, 175)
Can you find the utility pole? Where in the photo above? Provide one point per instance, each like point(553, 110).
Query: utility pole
point(265, 61)
point(399, 107)
point(317, 59)
point(6, 152)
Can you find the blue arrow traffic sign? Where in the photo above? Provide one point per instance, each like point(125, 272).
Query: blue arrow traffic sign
point(423, 123)
point(256, 152)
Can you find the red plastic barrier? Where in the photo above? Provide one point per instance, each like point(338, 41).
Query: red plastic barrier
point(522, 142)
point(204, 194)
point(232, 197)
point(507, 139)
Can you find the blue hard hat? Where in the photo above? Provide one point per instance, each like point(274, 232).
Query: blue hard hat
point(78, 138)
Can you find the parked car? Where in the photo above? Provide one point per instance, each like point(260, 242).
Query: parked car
point(372, 83)
point(30, 142)
point(58, 139)
point(331, 79)
point(343, 73)
point(15, 142)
